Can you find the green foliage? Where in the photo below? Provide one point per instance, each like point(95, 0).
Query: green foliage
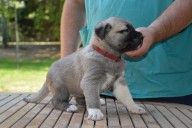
point(43, 17)
point(38, 20)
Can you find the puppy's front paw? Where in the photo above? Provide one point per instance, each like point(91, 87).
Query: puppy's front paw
point(137, 110)
point(95, 114)
point(72, 108)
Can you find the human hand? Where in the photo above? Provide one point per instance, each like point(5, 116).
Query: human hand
point(147, 42)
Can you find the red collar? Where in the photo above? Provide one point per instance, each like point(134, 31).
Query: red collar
point(108, 55)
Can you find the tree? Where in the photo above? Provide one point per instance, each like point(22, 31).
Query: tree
point(41, 19)
point(38, 20)
point(4, 27)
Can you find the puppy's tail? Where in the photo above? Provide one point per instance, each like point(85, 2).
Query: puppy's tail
point(36, 98)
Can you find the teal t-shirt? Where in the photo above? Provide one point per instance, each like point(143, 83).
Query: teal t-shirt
point(166, 71)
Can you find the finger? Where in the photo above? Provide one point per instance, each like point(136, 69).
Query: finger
point(137, 53)
point(140, 29)
point(132, 54)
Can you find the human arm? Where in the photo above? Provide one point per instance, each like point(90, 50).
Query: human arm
point(72, 20)
point(174, 19)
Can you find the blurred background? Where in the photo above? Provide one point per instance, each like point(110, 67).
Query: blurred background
point(29, 42)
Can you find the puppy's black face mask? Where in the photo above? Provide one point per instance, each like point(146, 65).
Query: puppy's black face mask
point(132, 41)
point(121, 37)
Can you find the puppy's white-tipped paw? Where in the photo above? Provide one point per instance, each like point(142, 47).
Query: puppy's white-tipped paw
point(72, 108)
point(95, 114)
point(102, 102)
point(137, 110)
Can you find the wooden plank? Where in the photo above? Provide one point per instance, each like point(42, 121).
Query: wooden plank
point(186, 112)
point(77, 118)
point(87, 123)
point(175, 122)
point(181, 117)
point(14, 118)
point(148, 119)
point(102, 123)
point(51, 119)
point(65, 117)
point(124, 116)
point(173, 105)
point(16, 113)
point(15, 93)
point(162, 121)
point(96, 124)
point(9, 94)
point(38, 120)
point(12, 111)
point(31, 114)
point(137, 121)
point(3, 96)
point(113, 119)
point(13, 99)
point(63, 120)
point(8, 99)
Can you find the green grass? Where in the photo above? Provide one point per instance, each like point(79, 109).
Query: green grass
point(28, 78)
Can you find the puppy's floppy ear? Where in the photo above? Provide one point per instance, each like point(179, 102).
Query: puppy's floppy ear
point(102, 29)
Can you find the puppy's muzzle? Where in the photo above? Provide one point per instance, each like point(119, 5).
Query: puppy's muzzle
point(133, 41)
point(138, 39)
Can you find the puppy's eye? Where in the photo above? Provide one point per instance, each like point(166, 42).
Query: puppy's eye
point(122, 31)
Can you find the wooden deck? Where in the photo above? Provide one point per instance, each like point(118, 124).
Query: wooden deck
point(16, 113)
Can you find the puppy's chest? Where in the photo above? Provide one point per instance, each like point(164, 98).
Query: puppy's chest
point(109, 82)
point(114, 67)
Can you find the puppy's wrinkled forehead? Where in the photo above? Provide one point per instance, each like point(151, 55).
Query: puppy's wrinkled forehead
point(118, 23)
point(111, 25)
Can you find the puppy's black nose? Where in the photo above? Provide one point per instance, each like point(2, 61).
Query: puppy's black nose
point(138, 39)
point(139, 36)
point(142, 37)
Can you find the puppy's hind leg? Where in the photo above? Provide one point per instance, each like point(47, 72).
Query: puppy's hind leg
point(80, 101)
point(60, 100)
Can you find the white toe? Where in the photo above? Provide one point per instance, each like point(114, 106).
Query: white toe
point(102, 102)
point(137, 110)
point(95, 114)
point(72, 108)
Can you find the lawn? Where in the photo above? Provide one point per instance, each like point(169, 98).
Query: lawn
point(28, 78)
